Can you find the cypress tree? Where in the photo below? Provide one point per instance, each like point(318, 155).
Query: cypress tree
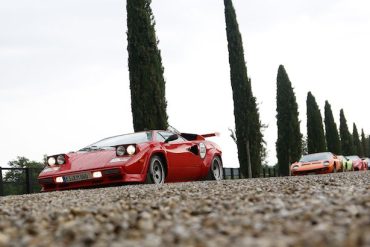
point(331, 131)
point(289, 141)
point(363, 143)
point(315, 130)
point(247, 122)
point(368, 146)
point(345, 135)
point(356, 142)
point(147, 84)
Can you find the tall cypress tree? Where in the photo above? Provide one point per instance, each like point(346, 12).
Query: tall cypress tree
point(345, 135)
point(315, 130)
point(364, 143)
point(331, 131)
point(356, 142)
point(247, 122)
point(147, 84)
point(289, 142)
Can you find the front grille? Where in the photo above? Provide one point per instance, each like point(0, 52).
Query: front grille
point(314, 170)
point(111, 172)
point(46, 181)
point(49, 186)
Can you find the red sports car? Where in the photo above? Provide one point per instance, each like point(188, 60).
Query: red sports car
point(155, 156)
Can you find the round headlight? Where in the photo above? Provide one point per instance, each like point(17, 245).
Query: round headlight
point(326, 163)
point(61, 159)
point(295, 168)
point(120, 151)
point(131, 149)
point(51, 161)
point(202, 150)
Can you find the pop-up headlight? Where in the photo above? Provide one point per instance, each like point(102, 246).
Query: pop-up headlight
point(51, 161)
point(131, 149)
point(61, 159)
point(120, 151)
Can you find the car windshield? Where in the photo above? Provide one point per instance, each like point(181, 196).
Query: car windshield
point(353, 157)
point(315, 157)
point(109, 142)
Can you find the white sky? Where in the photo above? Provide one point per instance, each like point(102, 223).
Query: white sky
point(64, 76)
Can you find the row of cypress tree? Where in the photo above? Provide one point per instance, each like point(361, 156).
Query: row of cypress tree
point(148, 101)
point(289, 144)
point(342, 142)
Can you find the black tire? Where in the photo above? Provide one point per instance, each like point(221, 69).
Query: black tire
point(156, 171)
point(335, 168)
point(216, 171)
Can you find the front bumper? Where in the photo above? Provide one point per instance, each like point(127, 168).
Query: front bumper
point(110, 176)
point(314, 169)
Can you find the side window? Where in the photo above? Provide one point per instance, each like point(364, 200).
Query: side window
point(159, 137)
point(165, 135)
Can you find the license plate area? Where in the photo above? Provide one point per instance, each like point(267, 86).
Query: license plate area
point(77, 177)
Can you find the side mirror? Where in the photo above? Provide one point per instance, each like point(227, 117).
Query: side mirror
point(171, 138)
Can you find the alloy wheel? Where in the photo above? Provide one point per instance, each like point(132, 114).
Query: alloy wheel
point(217, 169)
point(158, 172)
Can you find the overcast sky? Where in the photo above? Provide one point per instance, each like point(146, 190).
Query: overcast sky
point(64, 76)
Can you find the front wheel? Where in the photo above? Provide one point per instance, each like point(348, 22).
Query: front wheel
point(156, 172)
point(216, 170)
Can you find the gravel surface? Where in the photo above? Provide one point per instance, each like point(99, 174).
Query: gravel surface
point(323, 210)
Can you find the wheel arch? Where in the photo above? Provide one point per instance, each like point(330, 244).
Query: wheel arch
point(208, 162)
point(335, 166)
point(161, 154)
point(219, 155)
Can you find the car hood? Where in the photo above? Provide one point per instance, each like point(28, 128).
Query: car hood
point(90, 160)
point(81, 161)
point(316, 162)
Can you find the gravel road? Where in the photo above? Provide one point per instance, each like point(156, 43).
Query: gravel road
point(323, 210)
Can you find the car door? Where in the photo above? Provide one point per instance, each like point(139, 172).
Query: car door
point(194, 161)
point(183, 164)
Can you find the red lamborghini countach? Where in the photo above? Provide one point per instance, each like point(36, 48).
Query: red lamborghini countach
point(156, 157)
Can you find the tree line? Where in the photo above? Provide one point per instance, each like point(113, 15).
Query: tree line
point(322, 135)
point(14, 181)
point(148, 101)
